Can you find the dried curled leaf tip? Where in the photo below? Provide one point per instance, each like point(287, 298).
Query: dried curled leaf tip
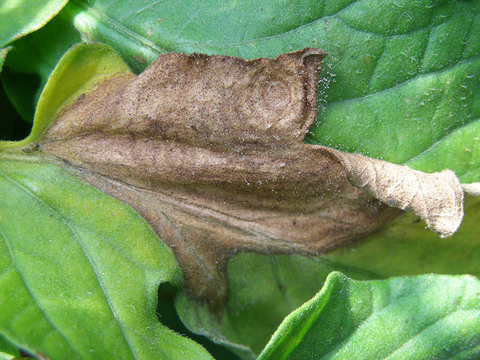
point(436, 198)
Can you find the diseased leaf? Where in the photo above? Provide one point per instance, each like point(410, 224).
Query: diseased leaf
point(209, 149)
point(373, 53)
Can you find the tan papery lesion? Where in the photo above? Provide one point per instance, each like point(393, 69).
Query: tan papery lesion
point(209, 150)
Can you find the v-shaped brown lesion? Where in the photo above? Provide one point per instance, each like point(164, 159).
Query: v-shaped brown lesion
point(209, 150)
point(206, 225)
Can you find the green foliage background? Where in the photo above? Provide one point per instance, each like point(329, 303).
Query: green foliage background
point(80, 272)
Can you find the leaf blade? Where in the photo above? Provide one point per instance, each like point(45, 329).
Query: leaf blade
point(20, 18)
point(396, 305)
point(81, 300)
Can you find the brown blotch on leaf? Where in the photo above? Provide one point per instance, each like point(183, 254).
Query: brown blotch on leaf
point(209, 150)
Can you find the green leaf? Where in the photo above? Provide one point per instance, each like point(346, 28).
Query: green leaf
point(263, 290)
point(3, 54)
point(18, 18)
point(7, 350)
point(83, 271)
point(460, 147)
point(423, 317)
